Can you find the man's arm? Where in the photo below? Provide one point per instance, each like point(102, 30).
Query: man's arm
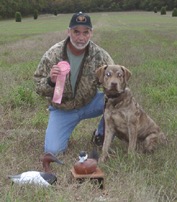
point(44, 85)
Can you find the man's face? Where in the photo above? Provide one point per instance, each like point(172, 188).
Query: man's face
point(80, 36)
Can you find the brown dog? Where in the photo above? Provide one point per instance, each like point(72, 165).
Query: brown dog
point(123, 115)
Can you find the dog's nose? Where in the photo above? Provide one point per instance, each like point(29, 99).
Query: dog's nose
point(113, 84)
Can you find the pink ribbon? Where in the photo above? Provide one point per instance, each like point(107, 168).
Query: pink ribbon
point(60, 82)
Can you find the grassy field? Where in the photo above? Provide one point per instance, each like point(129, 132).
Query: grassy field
point(144, 42)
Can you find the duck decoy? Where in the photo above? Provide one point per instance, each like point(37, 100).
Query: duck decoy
point(47, 159)
point(34, 177)
point(86, 165)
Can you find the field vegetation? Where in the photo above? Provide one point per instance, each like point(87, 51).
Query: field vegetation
point(144, 42)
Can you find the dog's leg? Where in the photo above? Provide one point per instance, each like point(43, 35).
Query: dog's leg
point(132, 133)
point(107, 142)
point(150, 143)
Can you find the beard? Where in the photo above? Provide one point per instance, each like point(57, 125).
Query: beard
point(79, 46)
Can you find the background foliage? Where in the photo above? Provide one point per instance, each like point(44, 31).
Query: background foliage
point(26, 7)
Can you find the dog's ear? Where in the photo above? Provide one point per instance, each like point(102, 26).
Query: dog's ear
point(100, 73)
point(126, 72)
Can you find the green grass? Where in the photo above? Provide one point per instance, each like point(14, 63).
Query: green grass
point(144, 42)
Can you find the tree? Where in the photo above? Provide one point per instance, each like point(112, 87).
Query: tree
point(174, 13)
point(18, 17)
point(163, 11)
point(27, 7)
point(155, 9)
point(35, 14)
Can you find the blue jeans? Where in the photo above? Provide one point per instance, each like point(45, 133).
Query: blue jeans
point(62, 123)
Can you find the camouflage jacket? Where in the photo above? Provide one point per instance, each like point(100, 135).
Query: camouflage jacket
point(86, 84)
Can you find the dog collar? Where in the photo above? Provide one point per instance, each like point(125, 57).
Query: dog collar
point(113, 96)
point(107, 97)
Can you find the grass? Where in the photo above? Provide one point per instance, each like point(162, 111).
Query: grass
point(144, 42)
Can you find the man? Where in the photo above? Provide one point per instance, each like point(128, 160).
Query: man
point(81, 99)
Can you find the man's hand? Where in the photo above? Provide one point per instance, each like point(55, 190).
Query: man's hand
point(54, 72)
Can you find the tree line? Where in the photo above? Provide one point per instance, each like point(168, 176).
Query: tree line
point(27, 7)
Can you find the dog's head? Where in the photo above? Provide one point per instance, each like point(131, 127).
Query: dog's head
point(113, 78)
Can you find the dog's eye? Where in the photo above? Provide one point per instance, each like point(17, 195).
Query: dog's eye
point(119, 74)
point(108, 74)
